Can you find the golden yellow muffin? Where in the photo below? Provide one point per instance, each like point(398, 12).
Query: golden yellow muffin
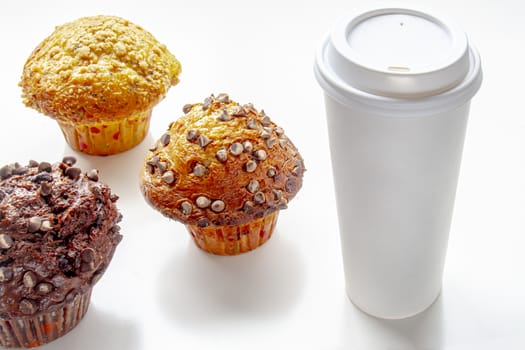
point(224, 170)
point(99, 77)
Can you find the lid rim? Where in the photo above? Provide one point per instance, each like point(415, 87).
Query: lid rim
point(399, 106)
point(361, 69)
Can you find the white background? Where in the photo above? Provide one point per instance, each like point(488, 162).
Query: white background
point(161, 292)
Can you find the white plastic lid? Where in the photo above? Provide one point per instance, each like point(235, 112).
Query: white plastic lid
point(398, 59)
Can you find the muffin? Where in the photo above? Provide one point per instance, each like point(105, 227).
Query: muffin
point(225, 171)
point(99, 77)
point(58, 233)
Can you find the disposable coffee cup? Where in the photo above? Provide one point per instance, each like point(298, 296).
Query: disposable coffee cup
point(397, 84)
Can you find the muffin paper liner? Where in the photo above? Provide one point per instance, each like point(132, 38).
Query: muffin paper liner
point(44, 327)
point(236, 239)
point(106, 138)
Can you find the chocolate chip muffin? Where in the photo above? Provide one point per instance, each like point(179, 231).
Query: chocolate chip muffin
point(58, 233)
point(99, 77)
point(224, 170)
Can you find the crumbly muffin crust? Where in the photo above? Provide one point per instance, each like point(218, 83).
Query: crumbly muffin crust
point(98, 68)
point(221, 164)
point(58, 233)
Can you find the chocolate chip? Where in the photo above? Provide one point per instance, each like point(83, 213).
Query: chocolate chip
point(270, 142)
point(113, 197)
point(153, 148)
point(186, 208)
point(224, 117)
point(153, 161)
point(253, 186)
point(168, 177)
point(27, 307)
point(69, 160)
point(202, 202)
point(259, 198)
point(266, 132)
point(87, 255)
point(44, 166)
point(44, 288)
point(5, 274)
point(87, 266)
point(290, 185)
point(207, 103)
point(283, 204)
point(199, 170)
point(221, 155)
point(218, 206)
point(265, 121)
point(238, 111)
point(223, 98)
point(20, 170)
point(162, 166)
point(6, 241)
point(92, 174)
point(187, 108)
point(43, 177)
point(46, 226)
point(250, 166)
point(277, 194)
point(271, 171)
point(191, 135)
point(204, 141)
point(279, 131)
point(236, 148)
point(115, 229)
point(30, 279)
point(33, 163)
point(249, 108)
point(260, 155)
point(248, 207)
point(252, 124)
point(119, 217)
point(34, 224)
point(165, 139)
point(248, 147)
point(73, 173)
point(283, 142)
point(45, 188)
point(203, 222)
point(6, 171)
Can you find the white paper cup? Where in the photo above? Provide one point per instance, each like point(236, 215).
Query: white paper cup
point(398, 84)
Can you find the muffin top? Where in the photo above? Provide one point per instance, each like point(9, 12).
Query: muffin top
point(97, 69)
point(221, 164)
point(58, 234)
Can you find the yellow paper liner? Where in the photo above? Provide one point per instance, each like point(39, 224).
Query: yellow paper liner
point(106, 138)
point(44, 327)
point(236, 239)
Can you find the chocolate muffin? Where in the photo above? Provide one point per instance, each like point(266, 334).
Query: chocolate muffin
point(225, 170)
point(58, 233)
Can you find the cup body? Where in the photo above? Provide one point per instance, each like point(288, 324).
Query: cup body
point(395, 184)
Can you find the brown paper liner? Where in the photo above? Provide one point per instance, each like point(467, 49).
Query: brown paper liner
point(236, 239)
point(40, 329)
point(106, 138)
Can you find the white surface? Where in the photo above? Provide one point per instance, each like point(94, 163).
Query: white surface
point(162, 292)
